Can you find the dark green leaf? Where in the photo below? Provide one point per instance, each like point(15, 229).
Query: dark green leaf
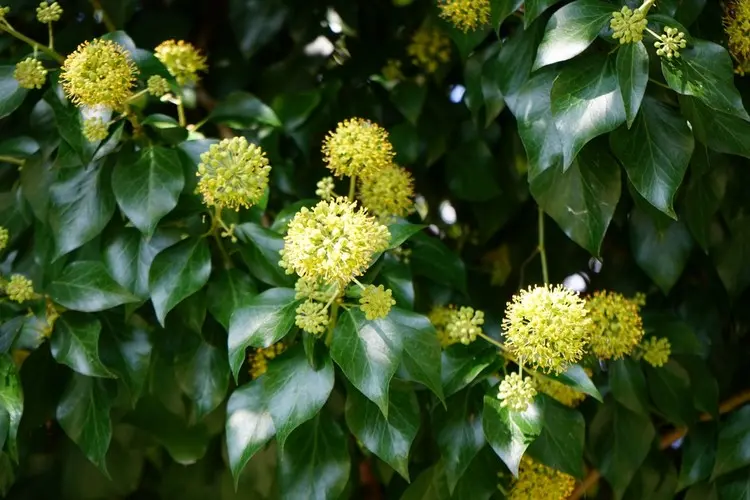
point(460, 366)
point(730, 257)
point(11, 94)
point(228, 291)
point(669, 386)
point(409, 98)
point(480, 480)
point(22, 146)
point(255, 22)
point(703, 385)
point(701, 200)
point(535, 8)
point(469, 172)
point(293, 109)
point(735, 489)
point(575, 376)
point(432, 259)
point(719, 131)
point(242, 110)
point(165, 128)
point(560, 444)
point(261, 253)
point(127, 350)
point(75, 342)
point(69, 126)
point(203, 375)
point(421, 348)
point(397, 276)
point(402, 231)
point(11, 404)
point(87, 286)
point(698, 456)
point(512, 66)
point(632, 76)
point(509, 433)
point(430, 485)
point(734, 436)
point(628, 385)
point(248, 426)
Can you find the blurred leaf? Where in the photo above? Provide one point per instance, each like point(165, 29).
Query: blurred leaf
point(669, 386)
point(11, 404)
point(261, 253)
point(431, 484)
point(241, 110)
point(698, 455)
point(397, 276)
point(535, 8)
point(576, 377)
point(511, 68)
point(560, 444)
point(628, 384)
point(75, 343)
point(203, 375)
point(87, 286)
point(509, 433)
point(409, 97)
point(11, 93)
point(632, 76)
point(432, 259)
point(248, 426)
point(734, 436)
point(255, 22)
point(469, 172)
point(295, 108)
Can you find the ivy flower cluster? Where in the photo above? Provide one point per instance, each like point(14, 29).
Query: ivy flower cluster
point(628, 25)
point(95, 129)
point(440, 317)
point(516, 392)
point(4, 238)
point(391, 193)
point(48, 13)
point(376, 301)
point(617, 327)
point(737, 28)
point(466, 15)
point(30, 73)
point(157, 85)
point(656, 351)
point(357, 148)
point(259, 358)
point(670, 42)
point(429, 48)
point(564, 394)
point(537, 481)
point(19, 288)
point(464, 325)
point(182, 60)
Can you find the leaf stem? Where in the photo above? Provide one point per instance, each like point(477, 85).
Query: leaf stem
point(51, 36)
point(332, 323)
point(657, 82)
point(491, 341)
point(352, 187)
point(542, 251)
point(11, 159)
point(33, 43)
point(181, 113)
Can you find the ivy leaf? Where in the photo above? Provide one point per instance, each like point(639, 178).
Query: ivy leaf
point(632, 76)
point(560, 444)
point(11, 404)
point(430, 485)
point(87, 286)
point(228, 291)
point(628, 385)
point(576, 377)
point(475, 184)
point(432, 259)
point(11, 93)
point(165, 128)
point(127, 350)
point(204, 377)
point(295, 391)
point(389, 439)
point(571, 30)
point(509, 433)
point(409, 97)
point(734, 435)
point(316, 463)
point(261, 253)
point(671, 393)
point(512, 66)
point(535, 8)
point(83, 413)
point(178, 272)
point(402, 231)
point(586, 102)
point(421, 348)
point(70, 127)
point(479, 482)
point(461, 365)
point(147, 186)
point(655, 153)
point(241, 110)
point(264, 321)
point(397, 276)
point(698, 456)
point(719, 131)
point(75, 343)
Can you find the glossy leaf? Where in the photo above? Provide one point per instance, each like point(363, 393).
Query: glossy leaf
point(460, 366)
point(11, 404)
point(243, 110)
point(575, 376)
point(261, 253)
point(628, 385)
point(734, 435)
point(509, 433)
point(75, 343)
point(670, 390)
point(228, 291)
point(432, 259)
point(11, 93)
point(699, 455)
point(86, 286)
point(203, 375)
point(632, 76)
point(421, 348)
point(560, 444)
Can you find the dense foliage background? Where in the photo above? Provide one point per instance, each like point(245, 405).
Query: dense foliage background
point(138, 389)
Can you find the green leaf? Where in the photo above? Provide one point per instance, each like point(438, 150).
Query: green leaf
point(147, 186)
point(703, 385)
point(430, 485)
point(480, 480)
point(397, 276)
point(69, 126)
point(22, 146)
point(535, 8)
point(575, 376)
point(702, 198)
point(165, 128)
point(669, 386)
point(469, 172)
point(698, 456)
point(264, 321)
point(571, 30)
point(705, 71)
point(509, 433)
point(11, 404)
point(719, 131)
point(286, 214)
point(409, 97)
point(734, 436)
point(228, 291)
point(662, 252)
point(586, 102)
point(81, 204)
point(11, 94)
point(87, 286)
point(127, 350)
point(628, 385)
point(295, 391)
point(261, 253)
point(248, 426)
point(432, 259)
point(632, 76)
point(560, 444)
point(389, 439)
point(655, 153)
point(730, 257)
point(582, 200)
point(459, 433)
point(315, 464)
point(203, 375)
point(75, 343)
point(242, 110)
point(255, 22)
point(178, 272)
point(401, 231)
point(461, 365)
point(735, 489)
point(421, 348)
point(83, 413)
point(369, 353)
point(294, 108)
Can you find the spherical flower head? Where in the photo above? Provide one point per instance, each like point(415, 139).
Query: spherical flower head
point(99, 73)
point(30, 73)
point(539, 482)
point(465, 324)
point(440, 317)
point(94, 129)
point(48, 13)
point(466, 15)
point(547, 327)
point(516, 393)
point(4, 11)
point(157, 85)
point(670, 43)
point(182, 60)
point(332, 243)
point(325, 188)
point(259, 358)
point(359, 148)
point(392, 70)
point(233, 174)
point(628, 25)
point(656, 351)
point(559, 391)
point(314, 289)
point(312, 317)
point(4, 238)
point(19, 288)
point(737, 28)
point(389, 194)
point(429, 48)
point(376, 302)
point(617, 327)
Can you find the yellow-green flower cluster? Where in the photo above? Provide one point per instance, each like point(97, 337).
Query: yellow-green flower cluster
point(465, 324)
point(157, 85)
point(466, 15)
point(332, 243)
point(376, 302)
point(516, 392)
point(4, 11)
point(617, 327)
point(628, 25)
point(392, 70)
point(546, 327)
point(182, 60)
point(559, 391)
point(259, 358)
point(314, 289)
point(325, 188)
point(440, 317)
point(19, 288)
point(429, 48)
point(656, 351)
point(30, 73)
point(358, 148)
point(95, 129)
point(389, 194)
point(4, 238)
point(233, 174)
point(99, 73)
point(670, 43)
point(536, 481)
point(312, 317)
point(737, 28)
point(48, 13)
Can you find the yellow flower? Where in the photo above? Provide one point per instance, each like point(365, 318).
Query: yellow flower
point(233, 174)
point(325, 188)
point(94, 129)
point(656, 351)
point(4, 237)
point(48, 13)
point(429, 48)
point(157, 85)
point(30, 73)
point(465, 324)
point(670, 43)
point(182, 60)
point(19, 288)
point(515, 392)
point(359, 148)
point(313, 289)
point(259, 358)
point(559, 391)
point(617, 324)
point(376, 302)
point(546, 327)
point(332, 243)
point(536, 481)
point(628, 25)
point(312, 317)
point(737, 28)
point(392, 70)
point(4, 11)
point(390, 193)
point(466, 15)
point(440, 317)
point(99, 73)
